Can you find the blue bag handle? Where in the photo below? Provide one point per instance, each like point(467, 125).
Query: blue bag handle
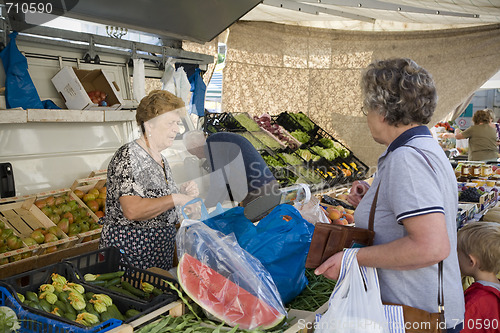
point(204, 211)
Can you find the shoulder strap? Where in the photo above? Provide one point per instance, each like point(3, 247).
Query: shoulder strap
point(423, 155)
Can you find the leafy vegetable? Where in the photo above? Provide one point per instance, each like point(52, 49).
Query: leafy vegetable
point(303, 121)
point(256, 143)
point(267, 140)
point(307, 155)
point(272, 161)
point(8, 320)
point(246, 122)
point(290, 159)
point(327, 143)
point(301, 136)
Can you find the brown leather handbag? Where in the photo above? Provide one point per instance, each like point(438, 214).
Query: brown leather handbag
point(329, 239)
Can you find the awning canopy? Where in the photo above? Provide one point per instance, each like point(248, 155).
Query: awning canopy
point(378, 15)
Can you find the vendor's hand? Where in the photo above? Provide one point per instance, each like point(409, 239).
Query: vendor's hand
point(357, 192)
point(331, 267)
point(190, 188)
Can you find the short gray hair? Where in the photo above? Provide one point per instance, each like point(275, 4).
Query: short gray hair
point(400, 90)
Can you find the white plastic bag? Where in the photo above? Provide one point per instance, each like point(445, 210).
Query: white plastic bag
point(225, 280)
point(139, 84)
point(352, 308)
point(312, 211)
point(168, 76)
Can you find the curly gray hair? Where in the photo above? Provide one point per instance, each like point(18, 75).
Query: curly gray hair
point(400, 90)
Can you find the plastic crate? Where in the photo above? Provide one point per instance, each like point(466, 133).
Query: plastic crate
point(111, 259)
point(30, 281)
point(221, 122)
point(32, 322)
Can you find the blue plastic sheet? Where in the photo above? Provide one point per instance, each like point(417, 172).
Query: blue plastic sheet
point(280, 241)
point(19, 88)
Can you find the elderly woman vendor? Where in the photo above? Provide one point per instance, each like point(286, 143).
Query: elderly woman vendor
point(142, 197)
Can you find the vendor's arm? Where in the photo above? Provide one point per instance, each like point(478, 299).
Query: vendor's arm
point(426, 244)
point(137, 208)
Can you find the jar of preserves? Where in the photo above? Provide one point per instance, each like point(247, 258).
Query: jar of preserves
point(486, 170)
point(465, 171)
point(475, 171)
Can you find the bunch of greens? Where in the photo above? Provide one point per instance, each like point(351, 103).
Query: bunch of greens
point(301, 136)
point(290, 159)
point(267, 140)
point(307, 155)
point(330, 144)
point(316, 293)
point(303, 121)
point(256, 143)
point(272, 161)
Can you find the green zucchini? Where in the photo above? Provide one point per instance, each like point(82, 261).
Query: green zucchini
point(128, 287)
point(70, 315)
point(61, 305)
point(157, 292)
point(88, 295)
point(89, 307)
point(32, 296)
point(131, 313)
point(101, 283)
point(109, 276)
point(123, 292)
point(113, 282)
point(63, 296)
point(46, 306)
point(115, 312)
point(106, 315)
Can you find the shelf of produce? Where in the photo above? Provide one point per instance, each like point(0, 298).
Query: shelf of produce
point(63, 115)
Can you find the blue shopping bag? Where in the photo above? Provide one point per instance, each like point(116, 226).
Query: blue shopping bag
point(280, 241)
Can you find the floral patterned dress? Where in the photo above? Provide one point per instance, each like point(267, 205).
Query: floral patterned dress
point(149, 243)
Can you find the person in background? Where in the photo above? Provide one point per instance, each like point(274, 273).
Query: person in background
point(482, 137)
point(415, 215)
point(479, 257)
point(238, 173)
point(142, 197)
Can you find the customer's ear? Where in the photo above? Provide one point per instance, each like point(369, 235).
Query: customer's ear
point(474, 263)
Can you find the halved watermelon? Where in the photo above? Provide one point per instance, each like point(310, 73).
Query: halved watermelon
point(223, 298)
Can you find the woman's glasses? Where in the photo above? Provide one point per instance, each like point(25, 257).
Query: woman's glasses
point(364, 110)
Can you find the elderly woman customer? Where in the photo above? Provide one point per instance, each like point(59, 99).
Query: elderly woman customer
point(415, 215)
point(142, 196)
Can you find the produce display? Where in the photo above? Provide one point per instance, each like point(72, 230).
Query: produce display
point(11, 242)
point(265, 122)
point(302, 137)
point(223, 298)
point(95, 199)
point(73, 302)
point(470, 194)
point(114, 282)
point(302, 120)
point(267, 140)
point(67, 214)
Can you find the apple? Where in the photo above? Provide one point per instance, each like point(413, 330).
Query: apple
point(94, 191)
point(88, 197)
point(14, 242)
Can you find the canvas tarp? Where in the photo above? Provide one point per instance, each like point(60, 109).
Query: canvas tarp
point(274, 68)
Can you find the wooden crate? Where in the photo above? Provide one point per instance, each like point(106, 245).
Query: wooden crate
point(85, 184)
point(81, 237)
point(98, 173)
point(23, 217)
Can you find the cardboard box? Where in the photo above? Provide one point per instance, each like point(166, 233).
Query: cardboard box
point(74, 84)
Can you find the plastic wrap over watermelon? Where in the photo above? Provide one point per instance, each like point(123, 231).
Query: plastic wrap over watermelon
point(225, 280)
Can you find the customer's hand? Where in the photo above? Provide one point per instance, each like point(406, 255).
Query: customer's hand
point(331, 267)
point(190, 188)
point(357, 192)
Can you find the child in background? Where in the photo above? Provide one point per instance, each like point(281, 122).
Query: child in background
point(479, 257)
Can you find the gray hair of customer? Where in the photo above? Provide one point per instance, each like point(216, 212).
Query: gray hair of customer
point(400, 90)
